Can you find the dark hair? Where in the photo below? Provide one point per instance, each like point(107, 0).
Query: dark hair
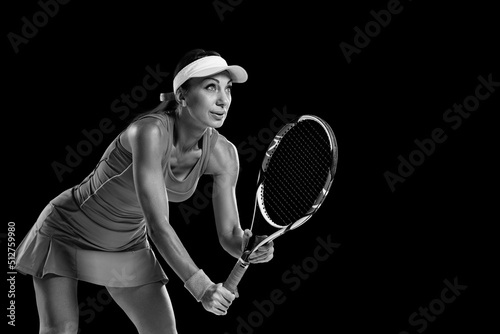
point(191, 56)
point(169, 106)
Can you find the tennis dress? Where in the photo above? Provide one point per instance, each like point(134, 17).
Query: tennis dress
point(96, 231)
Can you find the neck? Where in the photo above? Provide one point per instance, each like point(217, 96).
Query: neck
point(186, 133)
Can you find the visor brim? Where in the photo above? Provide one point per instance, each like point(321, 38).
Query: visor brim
point(237, 73)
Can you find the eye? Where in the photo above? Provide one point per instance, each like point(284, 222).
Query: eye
point(211, 87)
point(229, 88)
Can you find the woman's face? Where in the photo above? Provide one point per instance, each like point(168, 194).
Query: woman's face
point(208, 99)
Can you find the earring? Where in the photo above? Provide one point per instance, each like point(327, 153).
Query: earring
point(183, 103)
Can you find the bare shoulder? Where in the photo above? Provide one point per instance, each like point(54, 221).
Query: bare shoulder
point(147, 130)
point(224, 158)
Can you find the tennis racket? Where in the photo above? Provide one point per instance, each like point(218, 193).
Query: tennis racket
point(295, 177)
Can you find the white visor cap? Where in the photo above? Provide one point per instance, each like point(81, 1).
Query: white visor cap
point(207, 66)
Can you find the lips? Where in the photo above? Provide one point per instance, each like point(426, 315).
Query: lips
point(217, 114)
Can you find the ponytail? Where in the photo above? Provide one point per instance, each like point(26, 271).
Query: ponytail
point(167, 106)
point(169, 102)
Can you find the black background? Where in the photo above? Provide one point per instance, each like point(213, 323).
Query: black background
point(396, 248)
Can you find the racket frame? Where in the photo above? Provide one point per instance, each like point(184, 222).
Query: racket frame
point(243, 262)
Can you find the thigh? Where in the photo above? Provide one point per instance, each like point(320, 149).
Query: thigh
point(57, 303)
point(148, 306)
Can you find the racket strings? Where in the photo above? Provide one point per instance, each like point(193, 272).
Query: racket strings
point(293, 204)
point(297, 172)
point(294, 177)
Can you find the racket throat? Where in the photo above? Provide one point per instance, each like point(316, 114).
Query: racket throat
point(244, 259)
point(248, 249)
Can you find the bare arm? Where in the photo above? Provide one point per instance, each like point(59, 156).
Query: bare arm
point(148, 145)
point(224, 166)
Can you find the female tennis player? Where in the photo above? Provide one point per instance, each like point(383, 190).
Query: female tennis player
point(97, 231)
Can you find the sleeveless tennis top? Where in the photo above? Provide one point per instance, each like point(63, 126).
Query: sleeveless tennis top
point(96, 230)
point(111, 185)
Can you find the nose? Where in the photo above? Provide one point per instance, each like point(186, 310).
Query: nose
point(223, 100)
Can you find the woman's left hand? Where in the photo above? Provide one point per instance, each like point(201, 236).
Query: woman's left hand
point(264, 253)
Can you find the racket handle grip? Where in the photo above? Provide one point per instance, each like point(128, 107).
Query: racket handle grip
point(236, 274)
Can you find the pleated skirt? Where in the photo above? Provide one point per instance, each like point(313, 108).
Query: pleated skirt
point(54, 246)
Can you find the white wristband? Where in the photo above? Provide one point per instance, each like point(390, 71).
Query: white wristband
point(198, 284)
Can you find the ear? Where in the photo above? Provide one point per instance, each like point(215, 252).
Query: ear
point(179, 97)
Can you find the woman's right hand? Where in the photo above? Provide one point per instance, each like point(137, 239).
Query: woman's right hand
point(217, 299)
